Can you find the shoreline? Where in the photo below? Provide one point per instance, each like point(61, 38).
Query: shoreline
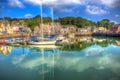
point(13, 35)
point(76, 35)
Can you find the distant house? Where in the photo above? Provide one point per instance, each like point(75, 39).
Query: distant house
point(81, 30)
point(1, 26)
point(95, 29)
point(66, 29)
point(15, 29)
point(4, 27)
point(72, 29)
point(6, 23)
point(84, 30)
point(116, 28)
point(48, 28)
point(102, 29)
point(63, 30)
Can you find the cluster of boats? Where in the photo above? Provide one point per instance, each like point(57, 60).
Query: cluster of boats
point(32, 41)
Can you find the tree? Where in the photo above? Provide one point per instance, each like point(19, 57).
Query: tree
point(78, 21)
point(32, 23)
point(7, 18)
point(105, 23)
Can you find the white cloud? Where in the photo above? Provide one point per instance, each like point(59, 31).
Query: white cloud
point(92, 51)
point(63, 9)
point(114, 22)
point(95, 10)
point(28, 15)
point(34, 2)
point(18, 59)
point(117, 15)
point(72, 61)
point(111, 3)
point(107, 3)
point(53, 2)
point(16, 3)
point(36, 62)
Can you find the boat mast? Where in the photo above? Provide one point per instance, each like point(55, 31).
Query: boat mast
point(41, 24)
point(52, 20)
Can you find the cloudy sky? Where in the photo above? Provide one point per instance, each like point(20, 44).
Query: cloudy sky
point(94, 10)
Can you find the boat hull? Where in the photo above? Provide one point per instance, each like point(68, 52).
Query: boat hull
point(42, 43)
point(43, 46)
point(1, 43)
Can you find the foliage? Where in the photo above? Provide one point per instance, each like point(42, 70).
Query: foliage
point(77, 46)
point(78, 21)
point(68, 20)
point(104, 43)
point(105, 23)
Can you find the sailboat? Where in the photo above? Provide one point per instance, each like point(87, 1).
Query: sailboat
point(43, 41)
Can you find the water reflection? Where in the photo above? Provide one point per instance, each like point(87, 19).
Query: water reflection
point(80, 43)
point(95, 61)
point(5, 50)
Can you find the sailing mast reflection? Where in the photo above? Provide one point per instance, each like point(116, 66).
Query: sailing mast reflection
point(42, 63)
point(48, 54)
point(46, 60)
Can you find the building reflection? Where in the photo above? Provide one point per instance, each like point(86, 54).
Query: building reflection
point(80, 43)
point(5, 50)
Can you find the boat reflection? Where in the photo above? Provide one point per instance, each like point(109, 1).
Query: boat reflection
point(79, 43)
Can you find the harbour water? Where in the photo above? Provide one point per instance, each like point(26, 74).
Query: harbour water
point(98, 61)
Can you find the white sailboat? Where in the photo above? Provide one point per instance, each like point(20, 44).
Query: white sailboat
point(44, 46)
point(52, 42)
point(43, 41)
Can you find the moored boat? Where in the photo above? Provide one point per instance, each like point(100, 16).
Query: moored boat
point(2, 43)
point(43, 46)
point(50, 42)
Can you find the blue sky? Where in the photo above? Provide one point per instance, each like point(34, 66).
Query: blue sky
point(94, 10)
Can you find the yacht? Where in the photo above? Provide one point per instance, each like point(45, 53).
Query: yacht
point(43, 41)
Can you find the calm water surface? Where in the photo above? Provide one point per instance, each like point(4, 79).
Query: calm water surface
point(95, 62)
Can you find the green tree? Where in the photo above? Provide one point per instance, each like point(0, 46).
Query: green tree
point(105, 23)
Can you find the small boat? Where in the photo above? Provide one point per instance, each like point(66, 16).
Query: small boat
point(12, 43)
point(61, 40)
point(2, 43)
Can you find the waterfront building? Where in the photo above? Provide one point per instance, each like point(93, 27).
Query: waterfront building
point(48, 29)
point(84, 31)
point(68, 29)
point(102, 29)
point(116, 28)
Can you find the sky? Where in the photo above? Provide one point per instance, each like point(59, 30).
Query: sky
point(94, 10)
